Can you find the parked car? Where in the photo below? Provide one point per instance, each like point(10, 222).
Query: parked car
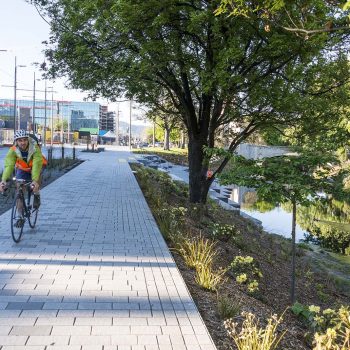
point(142, 145)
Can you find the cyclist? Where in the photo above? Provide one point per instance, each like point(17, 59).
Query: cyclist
point(26, 158)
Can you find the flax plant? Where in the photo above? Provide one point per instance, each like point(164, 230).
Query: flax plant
point(252, 336)
point(197, 252)
point(209, 279)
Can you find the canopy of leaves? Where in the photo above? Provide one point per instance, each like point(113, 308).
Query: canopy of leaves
point(296, 178)
point(271, 10)
point(214, 70)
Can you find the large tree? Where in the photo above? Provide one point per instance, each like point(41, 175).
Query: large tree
point(215, 69)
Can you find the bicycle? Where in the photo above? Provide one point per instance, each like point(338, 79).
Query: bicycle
point(28, 212)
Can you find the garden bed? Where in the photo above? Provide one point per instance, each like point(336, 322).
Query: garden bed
point(270, 253)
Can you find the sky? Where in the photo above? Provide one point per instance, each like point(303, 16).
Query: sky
point(22, 32)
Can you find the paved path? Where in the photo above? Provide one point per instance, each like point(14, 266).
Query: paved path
point(95, 273)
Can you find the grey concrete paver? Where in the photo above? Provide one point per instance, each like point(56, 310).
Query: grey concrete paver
point(95, 274)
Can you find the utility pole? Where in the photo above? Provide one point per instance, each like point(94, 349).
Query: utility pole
point(1, 134)
point(33, 121)
point(69, 126)
point(60, 117)
point(51, 118)
point(15, 99)
point(118, 126)
point(45, 115)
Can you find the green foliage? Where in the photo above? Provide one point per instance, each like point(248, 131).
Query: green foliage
point(222, 231)
point(165, 185)
point(285, 178)
point(331, 328)
point(216, 70)
point(227, 307)
point(305, 313)
point(246, 271)
point(274, 137)
point(170, 221)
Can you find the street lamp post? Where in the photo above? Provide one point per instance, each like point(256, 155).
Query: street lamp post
point(34, 91)
point(33, 120)
point(130, 124)
point(1, 132)
point(51, 117)
point(15, 98)
point(118, 125)
point(45, 112)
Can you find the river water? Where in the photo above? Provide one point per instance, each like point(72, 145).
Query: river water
point(273, 219)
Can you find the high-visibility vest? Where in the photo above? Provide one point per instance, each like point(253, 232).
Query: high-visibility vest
point(24, 166)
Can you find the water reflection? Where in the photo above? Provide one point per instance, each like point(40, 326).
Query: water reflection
point(274, 218)
point(326, 220)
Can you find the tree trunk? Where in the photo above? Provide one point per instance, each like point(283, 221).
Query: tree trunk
point(198, 182)
point(292, 291)
point(166, 139)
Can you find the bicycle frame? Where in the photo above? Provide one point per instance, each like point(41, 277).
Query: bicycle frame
point(20, 191)
point(22, 209)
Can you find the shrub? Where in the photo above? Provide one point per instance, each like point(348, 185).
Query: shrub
point(252, 336)
point(170, 220)
point(246, 271)
point(337, 333)
point(331, 327)
point(223, 232)
point(347, 250)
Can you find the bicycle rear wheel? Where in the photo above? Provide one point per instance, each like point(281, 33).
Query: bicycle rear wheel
point(33, 212)
point(17, 220)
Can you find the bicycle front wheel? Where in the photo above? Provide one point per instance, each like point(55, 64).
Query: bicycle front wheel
point(32, 211)
point(17, 219)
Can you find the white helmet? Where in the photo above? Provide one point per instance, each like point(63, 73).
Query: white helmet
point(20, 134)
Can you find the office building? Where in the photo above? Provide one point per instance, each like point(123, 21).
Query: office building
point(74, 115)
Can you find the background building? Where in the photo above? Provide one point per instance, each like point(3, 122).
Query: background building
point(107, 120)
point(72, 115)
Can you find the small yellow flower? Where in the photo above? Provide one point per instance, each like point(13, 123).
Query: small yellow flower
point(242, 278)
point(328, 312)
point(253, 286)
point(331, 333)
point(314, 308)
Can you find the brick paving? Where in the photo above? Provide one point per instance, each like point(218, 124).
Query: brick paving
point(95, 274)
